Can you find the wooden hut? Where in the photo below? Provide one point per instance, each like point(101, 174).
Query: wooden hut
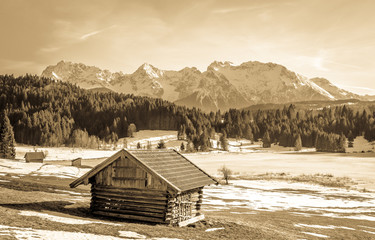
point(160, 186)
point(77, 162)
point(36, 157)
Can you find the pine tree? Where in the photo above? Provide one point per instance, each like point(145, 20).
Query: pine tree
point(7, 149)
point(298, 143)
point(224, 141)
point(266, 140)
point(350, 139)
point(248, 133)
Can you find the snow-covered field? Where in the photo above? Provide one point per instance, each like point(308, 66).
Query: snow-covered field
point(243, 197)
point(261, 195)
point(314, 211)
point(240, 198)
point(40, 169)
point(64, 153)
point(69, 153)
point(361, 169)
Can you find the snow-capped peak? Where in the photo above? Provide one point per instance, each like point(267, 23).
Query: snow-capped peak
point(217, 65)
point(151, 71)
point(305, 81)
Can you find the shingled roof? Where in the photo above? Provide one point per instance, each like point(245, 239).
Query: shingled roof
point(172, 167)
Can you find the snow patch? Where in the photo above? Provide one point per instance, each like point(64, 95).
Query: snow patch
point(156, 84)
point(322, 227)
point(262, 195)
point(64, 220)
point(356, 217)
point(150, 71)
point(40, 169)
point(243, 212)
point(305, 81)
point(55, 75)
point(33, 234)
point(316, 234)
point(214, 229)
point(368, 232)
point(70, 192)
point(133, 235)
point(366, 227)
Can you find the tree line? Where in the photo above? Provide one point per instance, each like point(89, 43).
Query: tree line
point(53, 113)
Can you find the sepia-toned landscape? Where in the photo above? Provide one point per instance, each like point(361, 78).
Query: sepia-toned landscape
point(187, 120)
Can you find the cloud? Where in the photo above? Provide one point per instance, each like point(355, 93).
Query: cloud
point(84, 37)
point(358, 90)
point(87, 35)
point(318, 63)
point(344, 65)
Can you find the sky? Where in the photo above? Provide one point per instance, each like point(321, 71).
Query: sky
point(333, 39)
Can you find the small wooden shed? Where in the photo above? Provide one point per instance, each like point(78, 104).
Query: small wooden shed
point(76, 162)
point(160, 186)
point(35, 157)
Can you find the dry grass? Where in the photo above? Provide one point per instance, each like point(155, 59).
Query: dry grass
point(41, 194)
point(327, 180)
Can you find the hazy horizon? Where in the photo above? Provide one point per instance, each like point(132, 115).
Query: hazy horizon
point(333, 40)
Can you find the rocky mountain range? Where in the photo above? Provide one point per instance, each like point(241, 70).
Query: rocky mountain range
point(221, 86)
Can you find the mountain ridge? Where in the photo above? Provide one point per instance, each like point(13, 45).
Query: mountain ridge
point(222, 86)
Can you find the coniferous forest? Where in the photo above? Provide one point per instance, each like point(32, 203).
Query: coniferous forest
point(48, 113)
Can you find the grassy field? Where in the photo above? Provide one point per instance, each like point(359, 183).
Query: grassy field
point(25, 201)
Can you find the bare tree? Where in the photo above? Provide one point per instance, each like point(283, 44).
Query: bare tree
point(161, 144)
point(227, 173)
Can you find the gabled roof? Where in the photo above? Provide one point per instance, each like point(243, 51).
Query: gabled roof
point(170, 166)
point(34, 155)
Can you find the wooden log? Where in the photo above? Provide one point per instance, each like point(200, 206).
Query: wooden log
point(125, 167)
point(151, 192)
point(191, 220)
point(129, 212)
point(129, 178)
point(125, 196)
point(131, 217)
point(146, 201)
point(131, 205)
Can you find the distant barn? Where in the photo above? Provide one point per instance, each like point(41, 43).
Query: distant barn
point(35, 157)
point(160, 186)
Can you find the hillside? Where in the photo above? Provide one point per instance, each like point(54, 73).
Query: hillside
point(221, 86)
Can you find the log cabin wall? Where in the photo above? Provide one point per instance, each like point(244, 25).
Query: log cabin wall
point(125, 190)
point(125, 173)
point(184, 206)
point(133, 204)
